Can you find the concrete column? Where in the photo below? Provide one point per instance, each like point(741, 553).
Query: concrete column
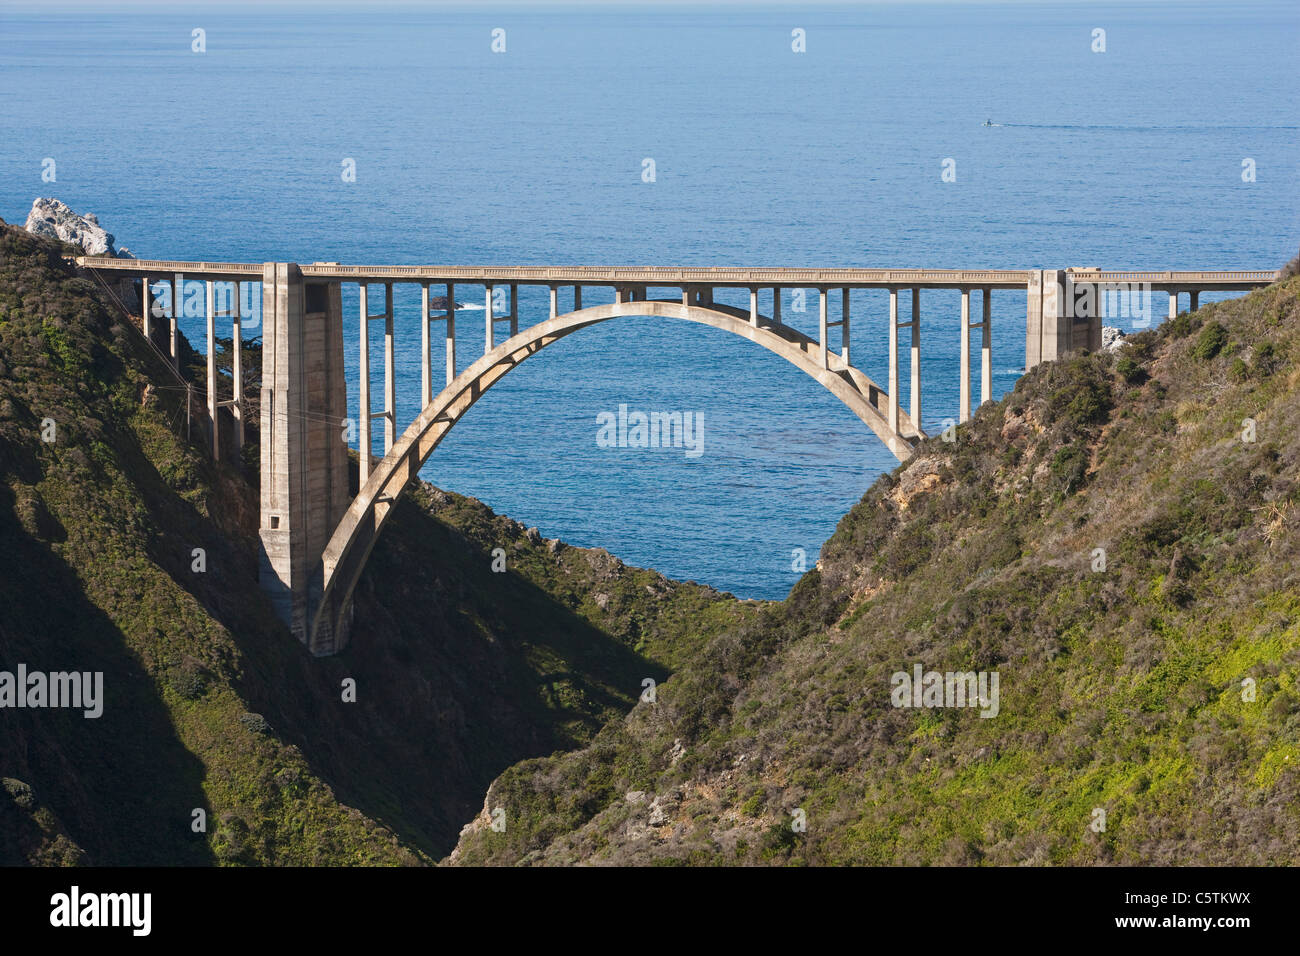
point(753, 307)
point(776, 305)
point(304, 461)
point(555, 305)
point(1194, 302)
point(986, 349)
point(210, 313)
point(390, 372)
point(363, 386)
point(621, 295)
point(451, 332)
point(844, 326)
point(577, 298)
point(489, 318)
point(1057, 322)
point(426, 362)
point(822, 330)
point(964, 411)
point(237, 367)
point(146, 320)
point(893, 360)
point(178, 297)
point(514, 309)
point(1034, 319)
point(1173, 305)
point(916, 358)
point(686, 295)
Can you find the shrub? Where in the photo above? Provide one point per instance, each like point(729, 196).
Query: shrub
point(1129, 370)
point(1210, 342)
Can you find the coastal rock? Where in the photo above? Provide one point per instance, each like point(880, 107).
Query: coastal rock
point(56, 220)
point(1111, 337)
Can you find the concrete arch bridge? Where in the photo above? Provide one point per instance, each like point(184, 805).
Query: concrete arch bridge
point(316, 536)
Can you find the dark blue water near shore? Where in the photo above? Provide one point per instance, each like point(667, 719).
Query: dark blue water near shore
point(1128, 158)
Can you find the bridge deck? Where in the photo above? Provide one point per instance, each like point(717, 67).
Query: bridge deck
point(656, 276)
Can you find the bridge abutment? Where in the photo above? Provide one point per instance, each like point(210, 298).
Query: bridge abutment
point(305, 481)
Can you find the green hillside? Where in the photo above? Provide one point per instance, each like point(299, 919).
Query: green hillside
point(1161, 691)
point(209, 703)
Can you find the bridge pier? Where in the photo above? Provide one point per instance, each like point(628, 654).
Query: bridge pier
point(892, 387)
point(178, 296)
point(146, 306)
point(451, 332)
point(1173, 304)
point(1193, 301)
point(1052, 327)
point(237, 366)
point(986, 347)
point(823, 327)
point(915, 324)
point(304, 468)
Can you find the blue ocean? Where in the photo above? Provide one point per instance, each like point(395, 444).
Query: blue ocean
point(1129, 157)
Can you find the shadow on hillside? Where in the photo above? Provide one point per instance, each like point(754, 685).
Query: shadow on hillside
point(459, 672)
point(123, 783)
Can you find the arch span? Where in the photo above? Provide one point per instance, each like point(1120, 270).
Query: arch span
point(350, 544)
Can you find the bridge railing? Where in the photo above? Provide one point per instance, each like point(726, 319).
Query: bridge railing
point(674, 276)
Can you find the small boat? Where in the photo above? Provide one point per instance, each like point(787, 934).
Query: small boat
point(988, 122)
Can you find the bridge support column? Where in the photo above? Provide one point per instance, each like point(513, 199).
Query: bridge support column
point(304, 469)
point(363, 385)
point(210, 314)
point(237, 366)
point(844, 324)
point(753, 307)
point(823, 330)
point(178, 299)
point(986, 348)
point(146, 320)
point(390, 372)
point(1049, 326)
point(426, 362)
point(577, 298)
point(451, 332)
point(488, 319)
point(915, 391)
point(1194, 300)
point(776, 304)
point(1173, 305)
point(514, 309)
point(893, 361)
point(964, 390)
point(555, 303)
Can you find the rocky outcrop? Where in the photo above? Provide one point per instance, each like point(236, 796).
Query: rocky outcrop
point(56, 220)
point(1111, 337)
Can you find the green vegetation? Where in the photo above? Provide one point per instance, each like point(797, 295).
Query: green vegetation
point(1163, 689)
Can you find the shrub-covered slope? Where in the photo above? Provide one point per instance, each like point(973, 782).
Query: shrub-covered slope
point(209, 703)
point(1116, 539)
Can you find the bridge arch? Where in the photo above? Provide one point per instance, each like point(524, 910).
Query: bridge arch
point(351, 542)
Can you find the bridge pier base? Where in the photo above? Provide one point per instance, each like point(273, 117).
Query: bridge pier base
point(1052, 327)
point(304, 469)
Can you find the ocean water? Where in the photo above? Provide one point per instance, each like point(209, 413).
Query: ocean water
point(1128, 158)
